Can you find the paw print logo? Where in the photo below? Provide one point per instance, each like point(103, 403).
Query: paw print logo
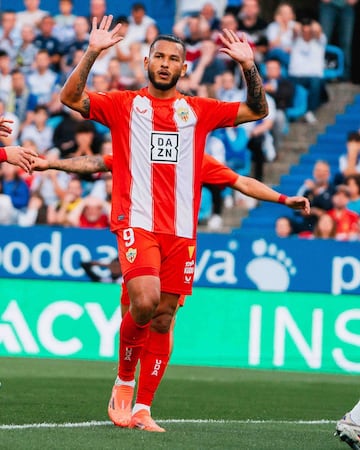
point(271, 269)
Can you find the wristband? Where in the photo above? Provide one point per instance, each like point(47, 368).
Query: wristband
point(282, 199)
point(3, 155)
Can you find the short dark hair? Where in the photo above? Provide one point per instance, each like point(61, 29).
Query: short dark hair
point(138, 6)
point(169, 38)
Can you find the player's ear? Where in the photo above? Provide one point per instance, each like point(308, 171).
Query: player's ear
point(184, 69)
point(146, 62)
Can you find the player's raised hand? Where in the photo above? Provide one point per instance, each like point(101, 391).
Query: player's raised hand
point(101, 37)
point(237, 47)
point(39, 164)
point(298, 202)
point(5, 130)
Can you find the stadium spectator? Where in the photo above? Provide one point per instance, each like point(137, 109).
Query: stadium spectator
point(139, 50)
point(207, 68)
point(26, 52)
point(353, 184)
point(319, 190)
point(31, 15)
point(44, 82)
point(280, 33)
point(228, 21)
point(260, 140)
point(91, 212)
point(5, 76)
point(349, 163)
point(138, 23)
point(79, 42)
point(64, 132)
point(35, 213)
point(64, 22)
point(97, 9)
point(192, 30)
point(14, 186)
point(38, 131)
point(10, 138)
point(228, 90)
point(45, 40)
point(325, 228)
point(283, 227)
point(59, 215)
point(209, 12)
point(9, 34)
point(282, 90)
point(338, 17)
point(250, 21)
point(21, 101)
point(307, 63)
point(346, 220)
point(51, 185)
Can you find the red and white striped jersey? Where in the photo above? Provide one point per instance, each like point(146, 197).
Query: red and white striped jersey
point(158, 147)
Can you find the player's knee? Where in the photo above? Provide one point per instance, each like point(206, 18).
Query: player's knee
point(162, 322)
point(143, 306)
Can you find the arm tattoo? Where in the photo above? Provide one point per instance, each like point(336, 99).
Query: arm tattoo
point(81, 164)
point(255, 92)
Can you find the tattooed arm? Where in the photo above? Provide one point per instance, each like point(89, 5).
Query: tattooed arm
point(240, 51)
point(79, 164)
point(73, 92)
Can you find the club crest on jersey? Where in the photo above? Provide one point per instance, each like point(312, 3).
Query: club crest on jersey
point(131, 254)
point(183, 113)
point(164, 147)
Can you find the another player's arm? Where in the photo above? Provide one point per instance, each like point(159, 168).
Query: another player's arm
point(73, 93)
point(239, 50)
point(254, 188)
point(79, 164)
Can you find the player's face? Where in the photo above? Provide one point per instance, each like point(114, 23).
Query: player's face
point(165, 65)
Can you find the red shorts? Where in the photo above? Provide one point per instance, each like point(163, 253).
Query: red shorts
point(125, 299)
point(168, 257)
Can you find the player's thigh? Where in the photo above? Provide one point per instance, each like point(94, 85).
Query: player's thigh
point(139, 253)
point(178, 265)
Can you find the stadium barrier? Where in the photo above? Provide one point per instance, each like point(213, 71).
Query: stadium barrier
point(216, 327)
point(242, 259)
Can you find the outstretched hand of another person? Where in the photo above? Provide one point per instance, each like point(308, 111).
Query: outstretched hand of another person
point(299, 203)
point(101, 37)
point(237, 48)
point(20, 156)
point(39, 164)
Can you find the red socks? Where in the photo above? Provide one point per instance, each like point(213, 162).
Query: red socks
point(132, 340)
point(154, 360)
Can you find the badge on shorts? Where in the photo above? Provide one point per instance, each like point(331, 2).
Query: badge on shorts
point(131, 254)
point(164, 147)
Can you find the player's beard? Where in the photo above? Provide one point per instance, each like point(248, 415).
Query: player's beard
point(163, 86)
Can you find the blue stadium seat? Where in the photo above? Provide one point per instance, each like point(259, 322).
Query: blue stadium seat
point(205, 205)
point(300, 105)
point(335, 63)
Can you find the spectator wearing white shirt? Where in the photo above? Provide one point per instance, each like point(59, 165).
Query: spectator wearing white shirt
point(44, 82)
point(38, 132)
point(64, 22)
point(307, 63)
point(138, 23)
point(31, 15)
point(5, 75)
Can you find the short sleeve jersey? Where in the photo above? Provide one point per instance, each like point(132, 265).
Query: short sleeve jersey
point(158, 147)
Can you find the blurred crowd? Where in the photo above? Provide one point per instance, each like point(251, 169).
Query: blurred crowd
point(38, 51)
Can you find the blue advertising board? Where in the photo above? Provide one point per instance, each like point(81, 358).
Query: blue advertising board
point(264, 263)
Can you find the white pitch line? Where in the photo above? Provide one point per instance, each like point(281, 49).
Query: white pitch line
point(96, 423)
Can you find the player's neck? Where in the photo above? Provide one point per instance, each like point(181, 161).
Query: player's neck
point(158, 93)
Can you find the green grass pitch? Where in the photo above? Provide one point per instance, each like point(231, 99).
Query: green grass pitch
point(201, 408)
